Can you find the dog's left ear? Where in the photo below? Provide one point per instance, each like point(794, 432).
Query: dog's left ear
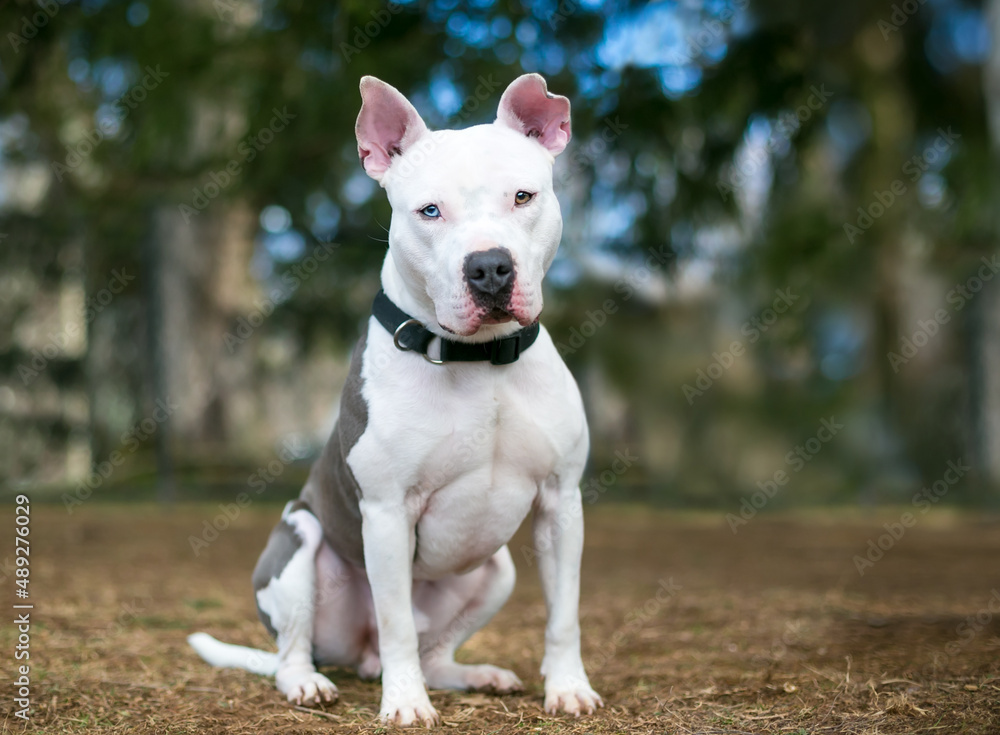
point(529, 108)
point(387, 126)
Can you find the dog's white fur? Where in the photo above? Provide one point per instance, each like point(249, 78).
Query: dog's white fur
point(453, 457)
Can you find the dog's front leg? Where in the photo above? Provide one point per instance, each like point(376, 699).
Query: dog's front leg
point(558, 534)
point(389, 541)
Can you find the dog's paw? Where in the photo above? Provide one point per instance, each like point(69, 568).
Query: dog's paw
point(416, 711)
point(306, 687)
point(485, 676)
point(572, 697)
point(404, 698)
point(482, 676)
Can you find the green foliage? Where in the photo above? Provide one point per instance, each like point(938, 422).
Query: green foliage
point(230, 64)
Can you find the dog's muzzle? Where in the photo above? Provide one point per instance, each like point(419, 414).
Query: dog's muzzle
point(490, 275)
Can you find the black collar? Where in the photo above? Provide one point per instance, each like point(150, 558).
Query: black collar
point(409, 334)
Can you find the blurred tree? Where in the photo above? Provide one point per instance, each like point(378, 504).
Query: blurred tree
point(722, 152)
point(987, 369)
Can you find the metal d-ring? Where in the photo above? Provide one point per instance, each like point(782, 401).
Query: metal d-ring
point(404, 348)
point(399, 330)
point(432, 361)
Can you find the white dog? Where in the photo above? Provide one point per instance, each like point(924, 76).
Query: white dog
point(458, 419)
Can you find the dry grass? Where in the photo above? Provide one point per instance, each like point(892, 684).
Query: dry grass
point(768, 631)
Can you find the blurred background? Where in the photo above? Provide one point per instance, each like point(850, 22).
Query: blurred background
point(777, 215)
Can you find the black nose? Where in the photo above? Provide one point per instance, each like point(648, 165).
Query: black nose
point(490, 273)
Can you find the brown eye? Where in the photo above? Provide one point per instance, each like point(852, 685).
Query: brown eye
point(522, 197)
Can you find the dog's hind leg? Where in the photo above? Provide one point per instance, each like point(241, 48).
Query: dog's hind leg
point(285, 585)
point(449, 611)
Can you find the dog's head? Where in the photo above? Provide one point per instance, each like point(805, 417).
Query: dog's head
point(475, 223)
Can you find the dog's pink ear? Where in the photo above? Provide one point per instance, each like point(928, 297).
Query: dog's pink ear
point(387, 125)
point(529, 108)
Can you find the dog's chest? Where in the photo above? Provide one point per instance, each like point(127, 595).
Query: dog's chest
point(476, 485)
point(466, 451)
point(487, 441)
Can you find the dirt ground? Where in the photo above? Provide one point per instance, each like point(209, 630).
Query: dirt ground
point(687, 628)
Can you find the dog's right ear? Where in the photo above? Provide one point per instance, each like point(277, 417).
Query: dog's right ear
point(528, 107)
point(387, 125)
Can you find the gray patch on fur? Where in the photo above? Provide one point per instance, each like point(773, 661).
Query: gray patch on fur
point(331, 491)
point(281, 547)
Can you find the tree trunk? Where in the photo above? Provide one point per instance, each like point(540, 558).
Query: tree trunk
point(204, 285)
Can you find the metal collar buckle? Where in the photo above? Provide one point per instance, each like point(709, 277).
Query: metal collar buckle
point(404, 348)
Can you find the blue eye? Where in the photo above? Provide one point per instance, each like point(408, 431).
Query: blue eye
point(431, 211)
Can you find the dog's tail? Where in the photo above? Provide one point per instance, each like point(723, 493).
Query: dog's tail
point(229, 656)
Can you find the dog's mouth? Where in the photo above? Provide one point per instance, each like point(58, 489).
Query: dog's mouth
point(496, 315)
point(492, 317)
